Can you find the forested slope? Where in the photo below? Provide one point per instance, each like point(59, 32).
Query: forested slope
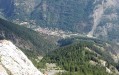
point(85, 57)
point(32, 43)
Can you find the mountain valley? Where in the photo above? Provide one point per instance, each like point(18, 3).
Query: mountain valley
point(60, 37)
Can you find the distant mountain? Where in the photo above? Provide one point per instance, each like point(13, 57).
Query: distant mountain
point(94, 18)
point(14, 62)
point(86, 57)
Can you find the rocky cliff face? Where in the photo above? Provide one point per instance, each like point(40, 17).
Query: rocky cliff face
point(105, 16)
point(14, 62)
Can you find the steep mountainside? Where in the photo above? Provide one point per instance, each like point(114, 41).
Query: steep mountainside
point(14, 62)
point(30, 42)
point(94, 18)
point(86, 57)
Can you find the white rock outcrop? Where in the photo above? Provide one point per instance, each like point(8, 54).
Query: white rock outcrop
point(14, 61)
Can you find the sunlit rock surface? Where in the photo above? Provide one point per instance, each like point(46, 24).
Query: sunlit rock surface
point(14, 61)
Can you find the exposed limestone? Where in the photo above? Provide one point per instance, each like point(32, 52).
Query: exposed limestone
point(15, 61)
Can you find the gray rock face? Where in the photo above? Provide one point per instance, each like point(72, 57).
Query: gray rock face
point(14, 61)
